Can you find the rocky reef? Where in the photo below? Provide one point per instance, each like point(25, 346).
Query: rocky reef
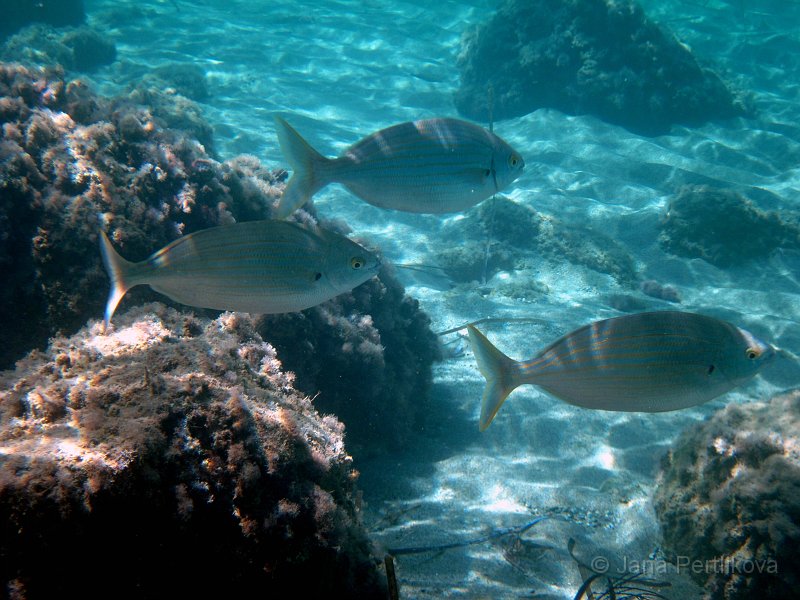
point(75, 49)
point(724, 227)
point(598, 57)
point(173, 457)
point(72, 162)
point(505, 235)
point(729, 497)
point(369, 355)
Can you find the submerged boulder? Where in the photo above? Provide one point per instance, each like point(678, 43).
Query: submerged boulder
point(729, 498)
point(598, 57)
point(504, 235)
point(369, 355)
point(79, 49)
point(724, 227)
point(173, 457)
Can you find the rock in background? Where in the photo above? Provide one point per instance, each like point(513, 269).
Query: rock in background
point(730, 492)
point(18, 13)
point(598, 57)
point(172, 457)
point(500, 234)
point(724, 227)
point(76, 49)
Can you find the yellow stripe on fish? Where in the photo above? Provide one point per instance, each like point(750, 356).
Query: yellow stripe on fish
point(256, 267)
point(648, 362)
point(427, 166)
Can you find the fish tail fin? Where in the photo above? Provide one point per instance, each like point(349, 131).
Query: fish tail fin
point(305, 162)
point(499, 371)
point(119, 271)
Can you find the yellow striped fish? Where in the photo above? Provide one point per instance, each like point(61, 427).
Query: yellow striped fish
point(256, 267)
point(649, 362)
point(428, 166)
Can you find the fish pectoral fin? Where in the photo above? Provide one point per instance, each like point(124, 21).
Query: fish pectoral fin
point(476, 175)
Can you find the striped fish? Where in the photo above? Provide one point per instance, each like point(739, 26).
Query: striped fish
point(256, 267)
point(650, 362)
point(429, 166)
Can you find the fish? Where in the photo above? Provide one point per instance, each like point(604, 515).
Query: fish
point(261, 267)
point(441, 165)
point(644, 362)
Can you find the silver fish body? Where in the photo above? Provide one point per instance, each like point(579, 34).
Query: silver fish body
point(256, 267)
point(426, 166)
point(649, 362)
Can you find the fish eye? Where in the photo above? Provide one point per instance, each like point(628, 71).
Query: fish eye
point(513, 160)
point(752, 353)
point(357, 262)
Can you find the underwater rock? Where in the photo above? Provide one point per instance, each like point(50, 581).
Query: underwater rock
point(68, 156)
point(724, 228)
point(654, 289)
point(172, 457)
point(599, 57)
point(36, 44)
point(476, 261)
point(59, 13)
point(729, 496)
point(172, 110)
point(81, 49)
point(626, 302)
point(151, 184)
point(369, 354)
point(90, 50)
point(188, 80)
point(511, 229)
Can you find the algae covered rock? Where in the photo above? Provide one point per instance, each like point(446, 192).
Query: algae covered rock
point(599, 57)
point(724, 227)
point(369, 355)
point(172, 457)
point(729, 498)
point(77, 49)
point(506, 235)
point(64, 164)
point(188, 80)
point(67, 157)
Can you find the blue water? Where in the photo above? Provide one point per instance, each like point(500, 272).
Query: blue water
point(341, 70)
